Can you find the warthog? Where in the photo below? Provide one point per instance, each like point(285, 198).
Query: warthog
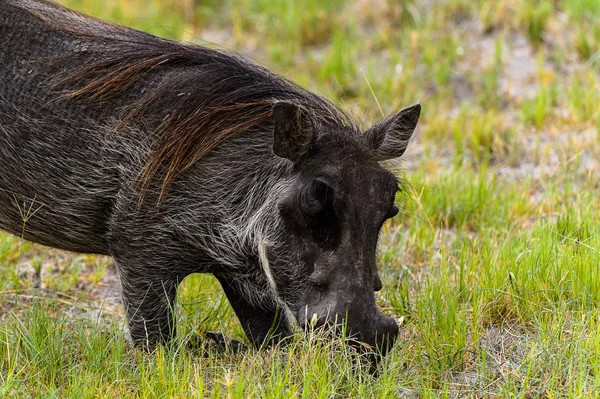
point(177, 159)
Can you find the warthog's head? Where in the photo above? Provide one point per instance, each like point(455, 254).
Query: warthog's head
point(333, 210)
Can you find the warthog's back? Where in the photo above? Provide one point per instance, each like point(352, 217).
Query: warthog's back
point(57, 182)
point(67, 80)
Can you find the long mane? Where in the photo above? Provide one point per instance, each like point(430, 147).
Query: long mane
point(190, 98)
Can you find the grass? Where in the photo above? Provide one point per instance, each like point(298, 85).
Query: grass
point(492, 266)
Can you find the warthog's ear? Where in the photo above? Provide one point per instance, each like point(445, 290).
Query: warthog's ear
point(293, 131)
point(389, 138)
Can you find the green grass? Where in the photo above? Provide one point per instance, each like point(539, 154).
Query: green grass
point(492, 266)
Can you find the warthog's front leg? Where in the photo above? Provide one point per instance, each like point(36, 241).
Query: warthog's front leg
point(149, 298)
point(261, 325)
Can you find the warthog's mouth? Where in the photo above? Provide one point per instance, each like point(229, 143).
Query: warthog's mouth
point(374, 337)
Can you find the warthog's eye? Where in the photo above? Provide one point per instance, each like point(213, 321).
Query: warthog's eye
point(316, 198)
point(310, 209)
point(317, 205)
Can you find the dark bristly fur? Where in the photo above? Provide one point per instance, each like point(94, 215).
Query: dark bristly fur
point(212, 96)
point(269, 187)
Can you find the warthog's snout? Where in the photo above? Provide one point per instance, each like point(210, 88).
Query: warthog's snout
point(374, 333)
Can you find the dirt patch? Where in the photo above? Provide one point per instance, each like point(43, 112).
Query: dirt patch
point(82, 286)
